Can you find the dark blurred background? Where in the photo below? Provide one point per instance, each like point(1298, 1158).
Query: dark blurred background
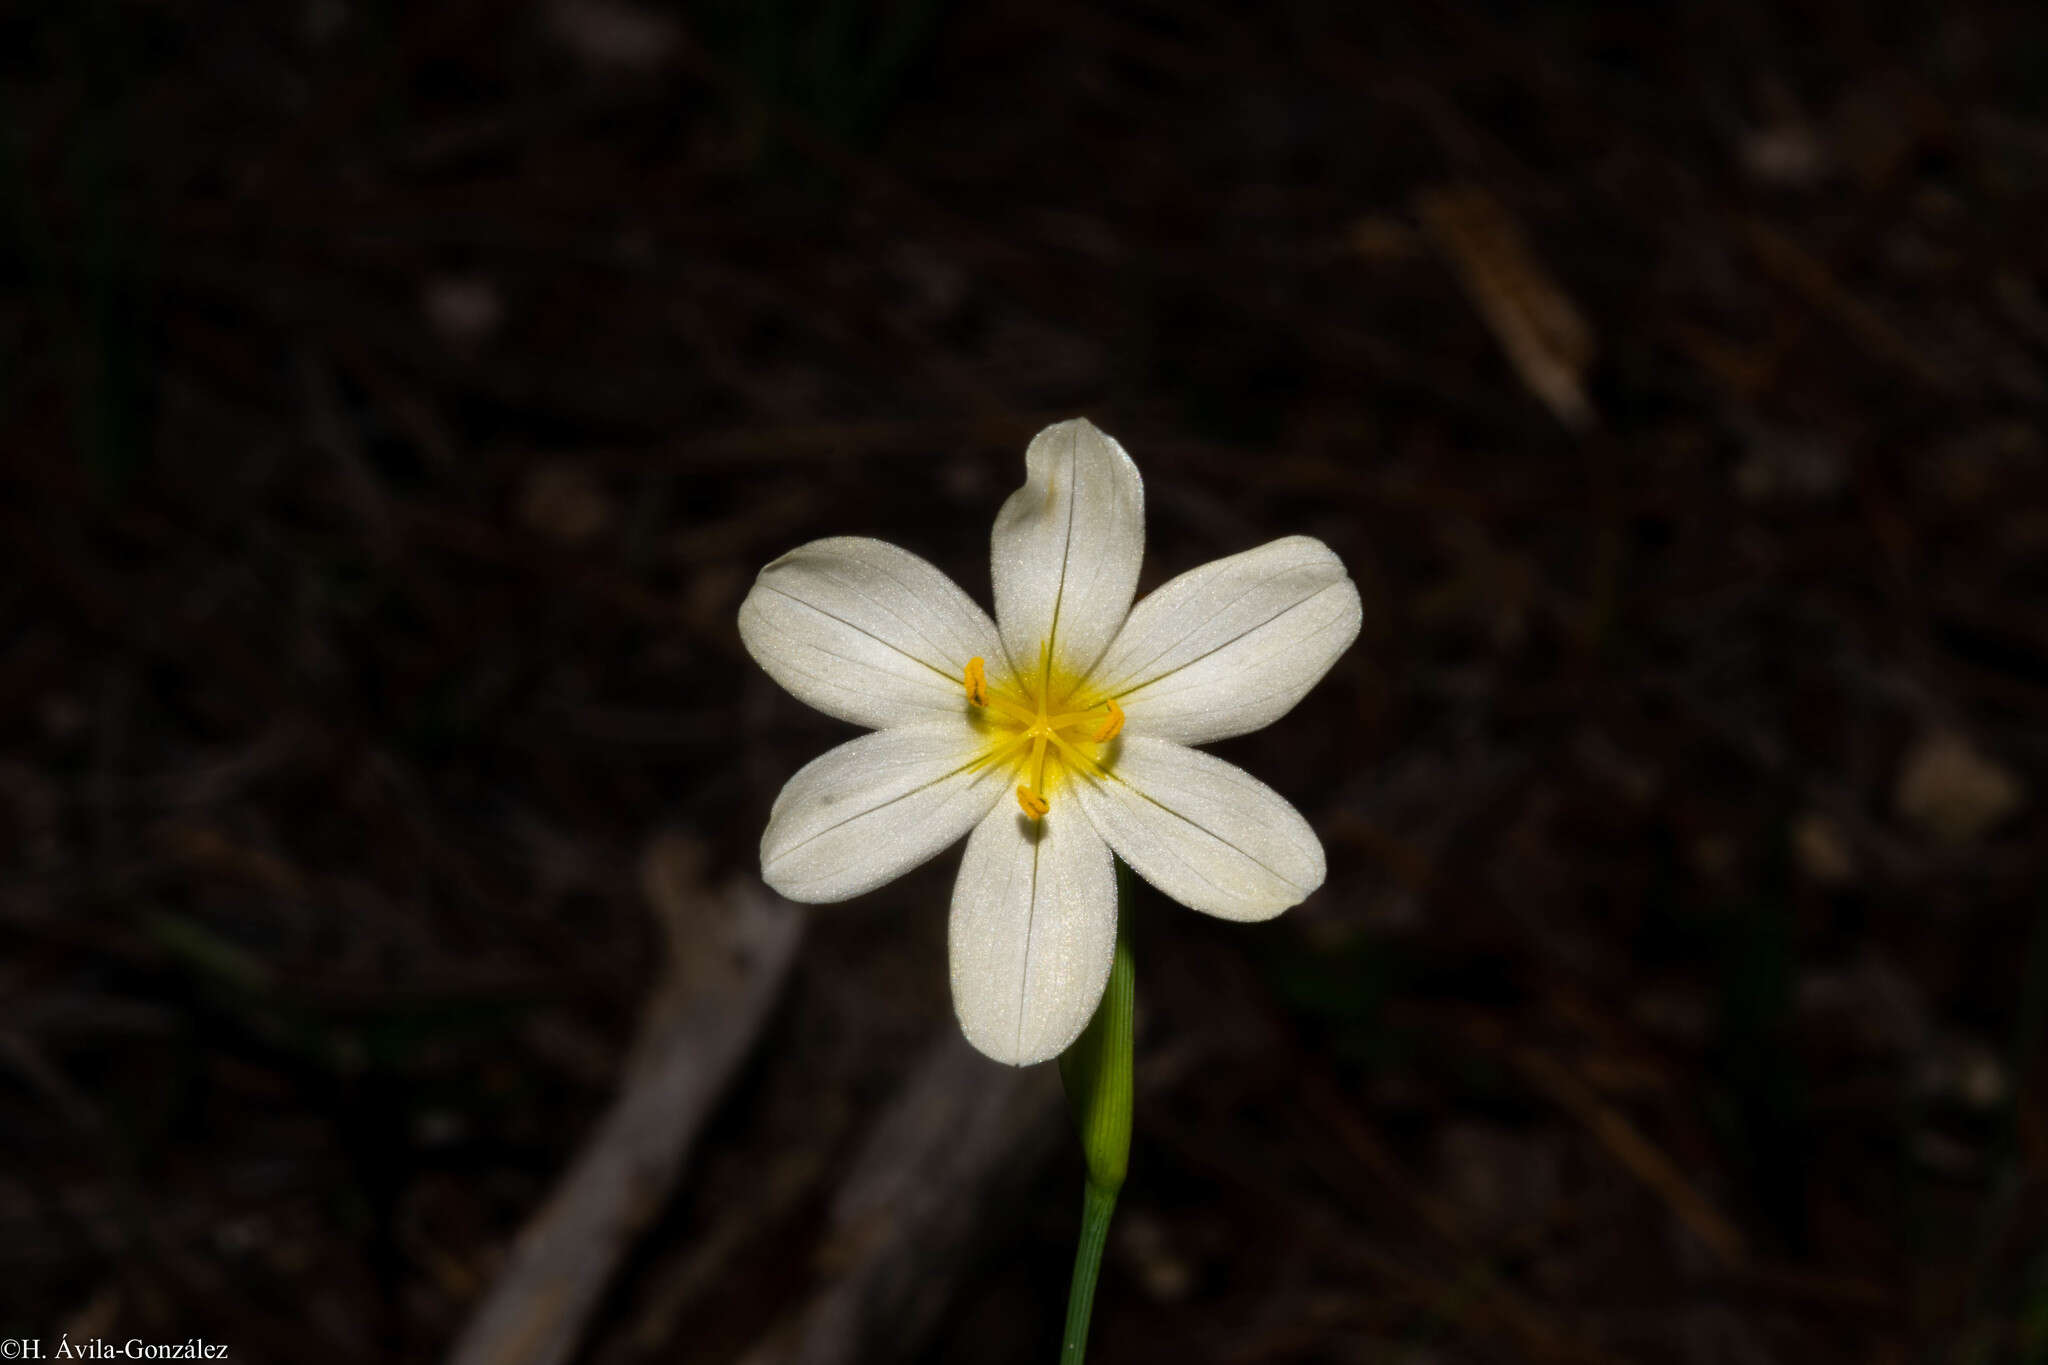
point(398, 399)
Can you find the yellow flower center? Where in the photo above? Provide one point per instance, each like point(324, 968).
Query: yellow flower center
point(1043, 723)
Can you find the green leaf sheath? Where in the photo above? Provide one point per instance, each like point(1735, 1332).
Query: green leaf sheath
point(1096, 1071)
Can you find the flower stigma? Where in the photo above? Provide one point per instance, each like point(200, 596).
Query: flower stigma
point(1038, 722)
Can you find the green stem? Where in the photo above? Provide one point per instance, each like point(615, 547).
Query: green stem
point(1097, 1073)
point(1097, 1204)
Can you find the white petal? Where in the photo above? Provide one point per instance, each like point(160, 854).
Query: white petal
point(1033, 932)
point(1205, 832)
point(1067, 546)
point(866, 632)
point(1230, 647)
point(875, 807)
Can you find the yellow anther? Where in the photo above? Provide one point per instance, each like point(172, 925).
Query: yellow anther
point(1034, 805)
point(977, 681)
point(1112, 727)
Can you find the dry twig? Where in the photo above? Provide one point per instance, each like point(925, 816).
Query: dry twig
point(1545, 336)
point(701, 1026)
point(959, 1132)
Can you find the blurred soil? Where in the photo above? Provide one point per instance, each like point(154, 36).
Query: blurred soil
point(398, 399)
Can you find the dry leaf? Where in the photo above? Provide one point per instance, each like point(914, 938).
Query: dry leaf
point(565, 504)
point(612, 33)
point(1822, 851)
point(1381, 237)
point(464, 309)
point(1953, 792)
point(1545, 336)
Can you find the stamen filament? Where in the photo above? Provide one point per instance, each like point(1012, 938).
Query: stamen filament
point(1078, 759)
point(996, 701)
point(1004, 754)
point(1066, 718)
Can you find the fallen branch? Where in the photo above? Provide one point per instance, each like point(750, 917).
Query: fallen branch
point(961, 1133)
point(1546, 337)
point(699, 1028)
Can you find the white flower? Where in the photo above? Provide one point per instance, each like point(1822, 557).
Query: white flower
point(1050, 736)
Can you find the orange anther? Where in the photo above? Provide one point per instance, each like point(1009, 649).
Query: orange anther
point(977, 681)
point(1114, 725)
point(1034, 805)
